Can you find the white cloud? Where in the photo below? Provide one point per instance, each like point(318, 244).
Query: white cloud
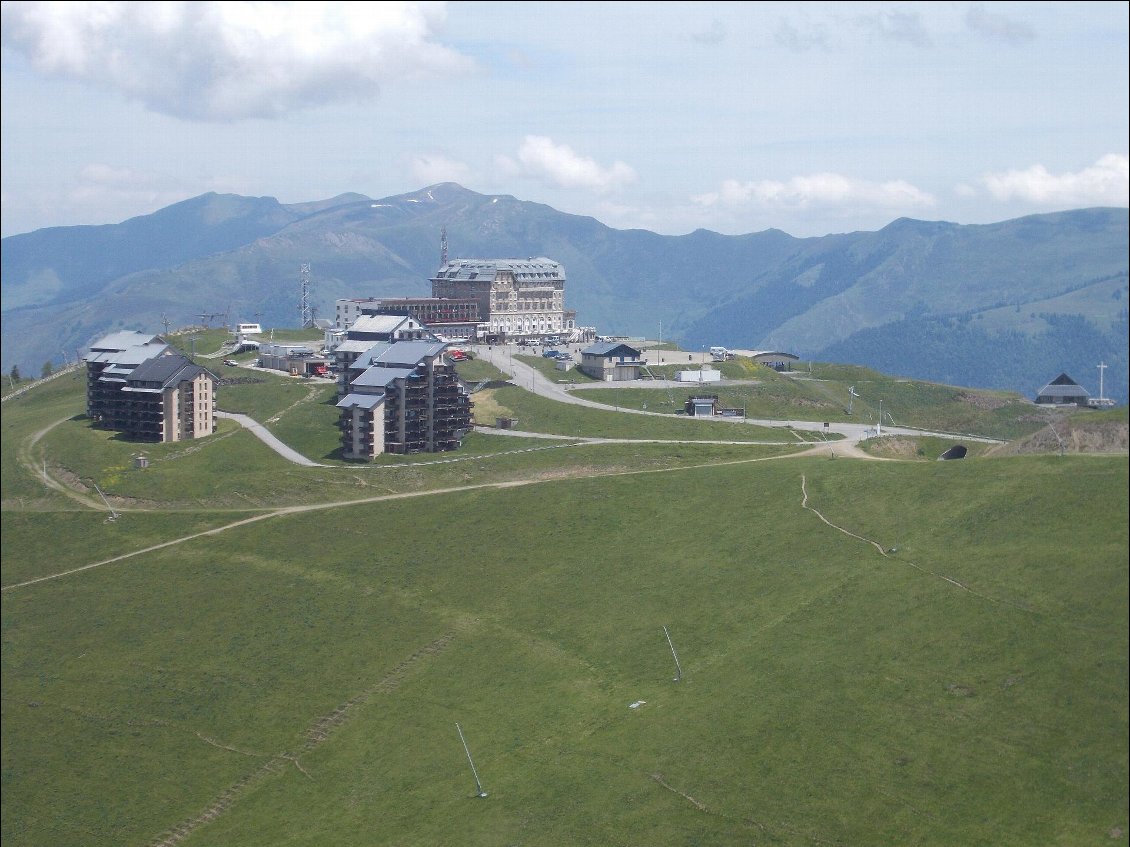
point(715, 35)
point(97, 194)
point(820, 190)
point(434, 168)
point(1105, 183)
point(224, 61)
point(558, 165)
point(997, 27)
point(896, 25)
point(797, 40)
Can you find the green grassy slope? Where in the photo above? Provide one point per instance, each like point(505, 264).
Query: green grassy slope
point(831, 694)
point(946, 663)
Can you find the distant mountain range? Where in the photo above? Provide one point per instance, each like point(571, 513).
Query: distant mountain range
point(1007, 305)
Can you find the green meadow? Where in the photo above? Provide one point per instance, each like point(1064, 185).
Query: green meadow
point(254, 653)
point(823, 394)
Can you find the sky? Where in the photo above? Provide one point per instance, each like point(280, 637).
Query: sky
point(812, 118)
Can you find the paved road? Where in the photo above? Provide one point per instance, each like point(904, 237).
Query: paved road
point(530, 378)
point(525, 376)
point(264, 435)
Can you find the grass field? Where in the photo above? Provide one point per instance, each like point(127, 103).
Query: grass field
point(823, 395)
point(900, 652)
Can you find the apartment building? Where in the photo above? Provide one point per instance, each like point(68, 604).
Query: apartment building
point(402, 397)
point(138, 385)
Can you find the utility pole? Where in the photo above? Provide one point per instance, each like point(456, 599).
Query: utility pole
point(678, 667)
point(478, 785)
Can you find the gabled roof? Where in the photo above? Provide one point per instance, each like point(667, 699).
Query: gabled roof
point(132, 355)
point(123, 340)
point(608, 348)
point(1063, 386)
point(167, 370)
point(1063, 379)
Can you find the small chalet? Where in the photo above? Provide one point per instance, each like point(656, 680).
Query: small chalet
point(709, 406)
point(611, 361)
point(1062, 391)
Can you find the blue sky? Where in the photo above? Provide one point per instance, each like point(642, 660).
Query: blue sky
point(808, 117)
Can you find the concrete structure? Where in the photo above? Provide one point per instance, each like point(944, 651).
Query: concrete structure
point(611, 361)
point(137, 385)
point(1063, 391)
point(286, 357)
point(453, 319)
point(706, 374)
point(708, 406)
point(775, 359)
point(517, 299)
point(349, 309)
point(402, 397)
point(701, 407)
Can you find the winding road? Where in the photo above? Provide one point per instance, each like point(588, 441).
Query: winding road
point(528, 377)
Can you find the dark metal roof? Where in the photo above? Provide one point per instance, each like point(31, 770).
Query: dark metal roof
point(406, 354)
point(1063, 379)
point(378, 376)
point(486, 269)
point(167, 370)
point(608, 348)
point(1063, 386)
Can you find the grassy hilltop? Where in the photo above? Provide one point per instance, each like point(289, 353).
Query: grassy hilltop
point(872, 652)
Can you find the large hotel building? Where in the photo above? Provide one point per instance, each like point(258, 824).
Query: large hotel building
point(504, 299)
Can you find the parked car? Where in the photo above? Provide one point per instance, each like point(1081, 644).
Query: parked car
point(549, 354)
point(231, 363)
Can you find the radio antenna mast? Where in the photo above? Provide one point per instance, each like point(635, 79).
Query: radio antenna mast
point(306, 317)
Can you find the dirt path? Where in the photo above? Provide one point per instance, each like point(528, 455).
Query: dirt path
point(27, 459)
point(315, 507)
point(887, 553)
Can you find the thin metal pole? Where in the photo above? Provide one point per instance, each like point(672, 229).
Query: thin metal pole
point(113, 514)
point(678, 667)
point(471, 762)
